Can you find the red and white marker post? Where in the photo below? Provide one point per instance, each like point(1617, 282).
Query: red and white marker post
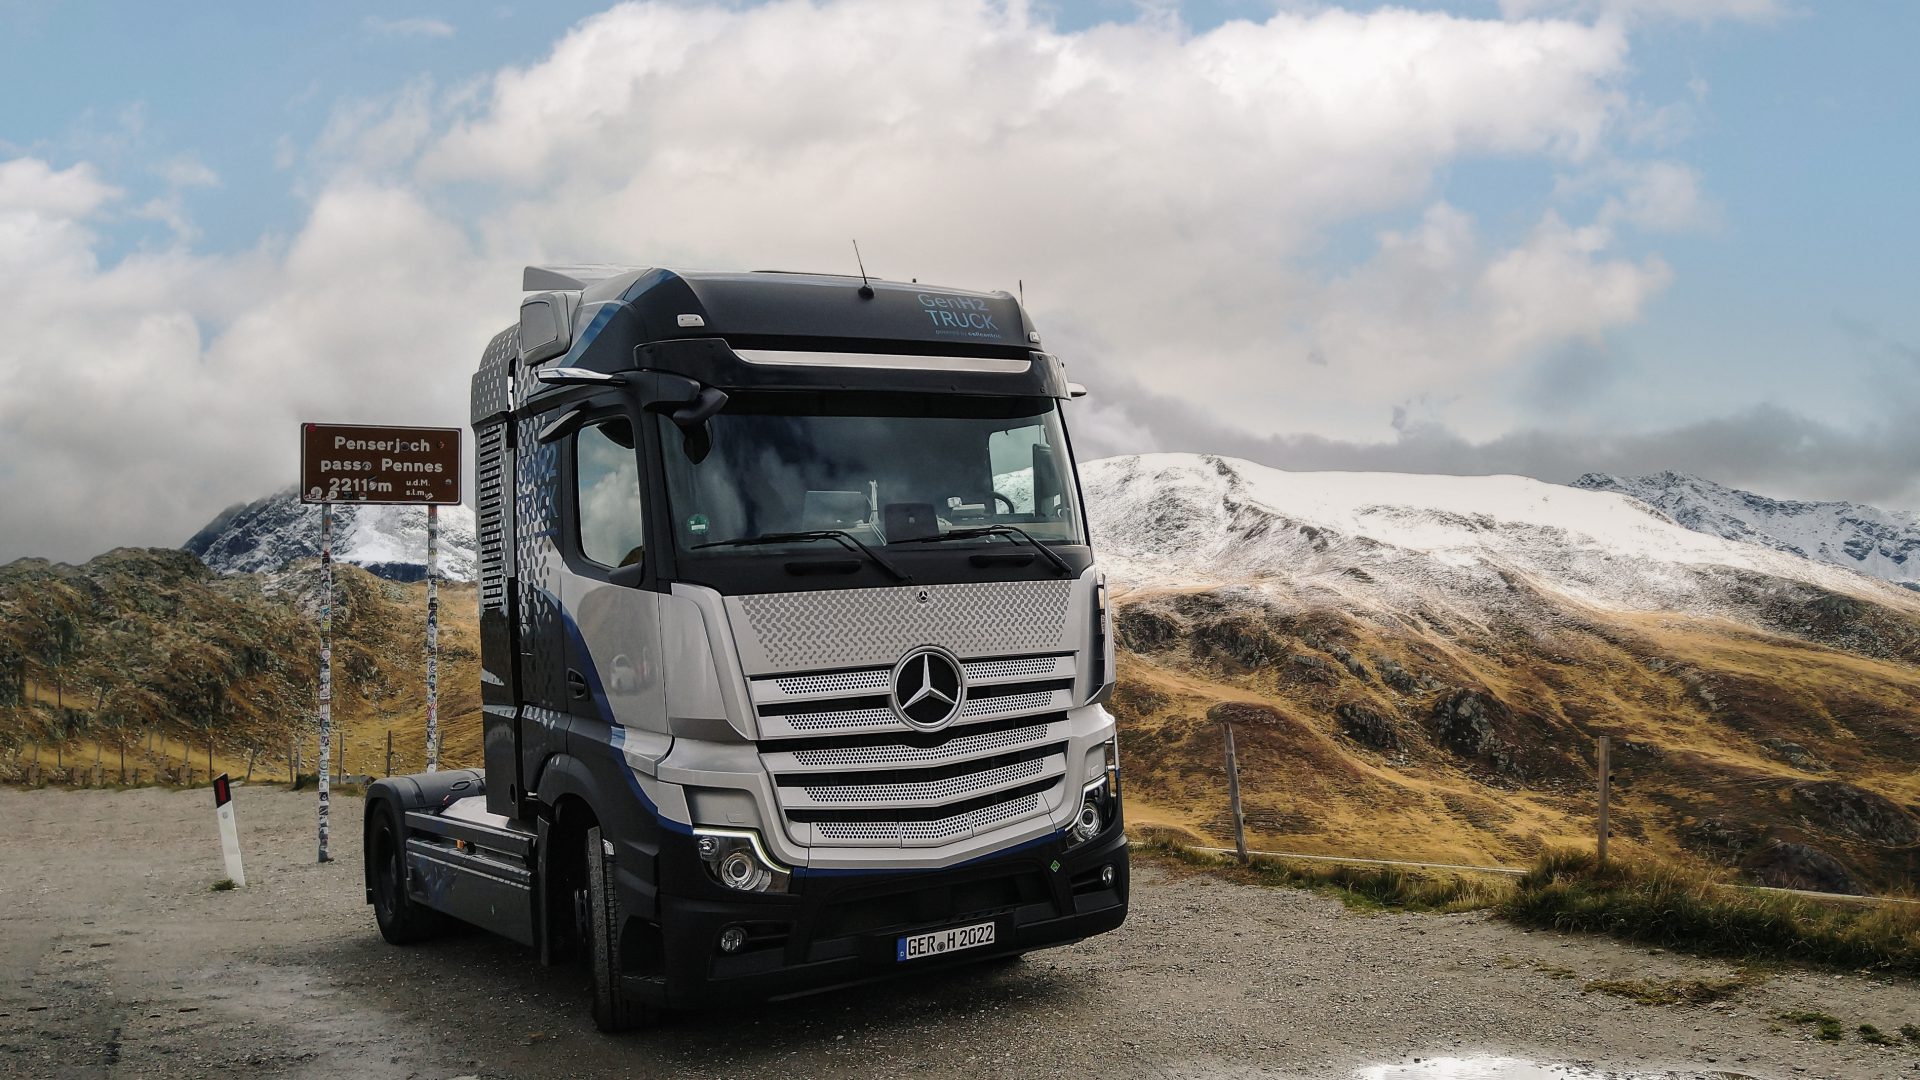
point(229, 829)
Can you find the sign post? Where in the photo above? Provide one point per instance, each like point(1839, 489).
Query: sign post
point(326, 667)
point(229, 830)
point(402, 466)
point(433, 639)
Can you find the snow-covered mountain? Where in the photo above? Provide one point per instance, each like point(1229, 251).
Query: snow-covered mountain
point(1881, 543)
point(1393, 542)
point(390, 541)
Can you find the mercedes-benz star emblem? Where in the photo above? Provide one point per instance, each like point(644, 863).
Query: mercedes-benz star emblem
point(928, 688)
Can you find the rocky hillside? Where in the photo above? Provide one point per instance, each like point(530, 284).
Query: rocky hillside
point(1880, 543)
point(151, 651)
point(387, 541)
point(1415, 667)
point(1418, 667)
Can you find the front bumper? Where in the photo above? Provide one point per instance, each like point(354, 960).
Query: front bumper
point(836, 928)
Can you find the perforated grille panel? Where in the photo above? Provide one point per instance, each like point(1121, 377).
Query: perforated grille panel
point(779, 632)
point(1030, 667)
point(933, 791)
point(958, 749)
point(490, 498)
point(947, 828)
point(842, 720)
point(1002, 704)
point(839, 682)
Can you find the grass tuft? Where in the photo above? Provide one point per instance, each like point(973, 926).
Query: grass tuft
point(1830, 1027)
point(1674, 991)
point(223, 885)
point(1668, 905)
point(1362, 888)
point(1873, 1035)
point(1912, 1032)
point(1680, 907)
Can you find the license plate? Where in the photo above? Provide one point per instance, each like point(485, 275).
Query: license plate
point(941, 942)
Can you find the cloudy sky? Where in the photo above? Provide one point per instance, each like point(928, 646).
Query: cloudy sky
point(1534, 236)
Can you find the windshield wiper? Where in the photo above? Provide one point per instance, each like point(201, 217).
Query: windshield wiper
point(1059, 563)
point(844, 538)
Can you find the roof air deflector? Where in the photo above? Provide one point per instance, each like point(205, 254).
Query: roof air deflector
point(544, 278)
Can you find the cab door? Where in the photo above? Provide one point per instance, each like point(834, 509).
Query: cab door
point(614, 682)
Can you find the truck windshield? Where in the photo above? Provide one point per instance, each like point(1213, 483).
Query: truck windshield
point(882, 468)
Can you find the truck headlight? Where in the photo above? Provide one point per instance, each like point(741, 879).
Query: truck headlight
point(734, 858)
point(1099, 796)
point(1087, 825)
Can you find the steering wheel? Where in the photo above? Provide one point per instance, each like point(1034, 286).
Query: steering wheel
point(1002, 498)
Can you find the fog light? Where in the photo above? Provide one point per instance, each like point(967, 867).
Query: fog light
point(709, 847)
point(1087, 825)
point(1106, 876)
point(732, 939)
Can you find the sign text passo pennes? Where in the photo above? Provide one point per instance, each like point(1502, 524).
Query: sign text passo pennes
point(369, 464)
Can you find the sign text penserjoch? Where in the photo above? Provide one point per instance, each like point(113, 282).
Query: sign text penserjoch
point(358, 463)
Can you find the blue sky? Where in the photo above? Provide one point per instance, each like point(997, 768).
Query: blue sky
point(1776, 294)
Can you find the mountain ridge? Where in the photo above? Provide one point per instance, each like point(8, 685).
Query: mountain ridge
point(272, 532)
point(1877, 542)
point(1418, 667)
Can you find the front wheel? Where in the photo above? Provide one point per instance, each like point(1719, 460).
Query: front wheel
point(402, 922)
point(614, 1010)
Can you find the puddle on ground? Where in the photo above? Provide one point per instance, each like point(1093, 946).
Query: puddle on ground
point(1501, 1068)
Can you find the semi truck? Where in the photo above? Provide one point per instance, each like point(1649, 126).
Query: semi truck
point(794, 653)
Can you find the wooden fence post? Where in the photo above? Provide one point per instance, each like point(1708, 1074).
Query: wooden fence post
point(1605, 767)
point(1233, 796)
point(389, 751)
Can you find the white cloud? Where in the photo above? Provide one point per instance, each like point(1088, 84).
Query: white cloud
point(972, 143)
point(1164, 195)
point(1698, 11)
point(43, 221)
point(1656, 196)
point(406, 28)
point(185, 170)
point(31, 186)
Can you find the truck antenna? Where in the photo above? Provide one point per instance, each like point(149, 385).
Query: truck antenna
point(1022, 282)
point(866, 287)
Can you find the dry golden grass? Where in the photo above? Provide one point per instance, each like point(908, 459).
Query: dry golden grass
point(1692, 705)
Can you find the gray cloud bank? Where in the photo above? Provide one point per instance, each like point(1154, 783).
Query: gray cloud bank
point(1765, 448)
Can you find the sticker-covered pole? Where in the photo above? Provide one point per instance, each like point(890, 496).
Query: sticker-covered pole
point(433, 638)
point(326, 665)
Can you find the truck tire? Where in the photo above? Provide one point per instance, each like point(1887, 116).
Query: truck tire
point(613, 1009)
point(402, 922)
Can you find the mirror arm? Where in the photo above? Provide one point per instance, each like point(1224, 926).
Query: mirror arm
point(575, 376)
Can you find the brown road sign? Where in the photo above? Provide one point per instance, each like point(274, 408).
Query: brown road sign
point(360, 463)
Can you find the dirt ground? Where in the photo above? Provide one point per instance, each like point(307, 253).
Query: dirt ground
point(118, 959)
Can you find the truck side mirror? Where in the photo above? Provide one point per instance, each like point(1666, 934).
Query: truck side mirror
point(709, 401)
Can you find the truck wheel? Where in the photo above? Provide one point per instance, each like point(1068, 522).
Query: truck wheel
point(402, 922)
point(613, 1009)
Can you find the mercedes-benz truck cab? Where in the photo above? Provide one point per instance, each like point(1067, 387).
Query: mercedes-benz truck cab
point(794, 650)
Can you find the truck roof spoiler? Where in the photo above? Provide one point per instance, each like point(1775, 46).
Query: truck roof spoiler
point(545, 278)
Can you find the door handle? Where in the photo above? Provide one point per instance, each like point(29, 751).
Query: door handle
point(576, 684)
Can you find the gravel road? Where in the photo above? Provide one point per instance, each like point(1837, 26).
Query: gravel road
point(117, 959)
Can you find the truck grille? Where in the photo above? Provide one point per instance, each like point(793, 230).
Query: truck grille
point(848, 771)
